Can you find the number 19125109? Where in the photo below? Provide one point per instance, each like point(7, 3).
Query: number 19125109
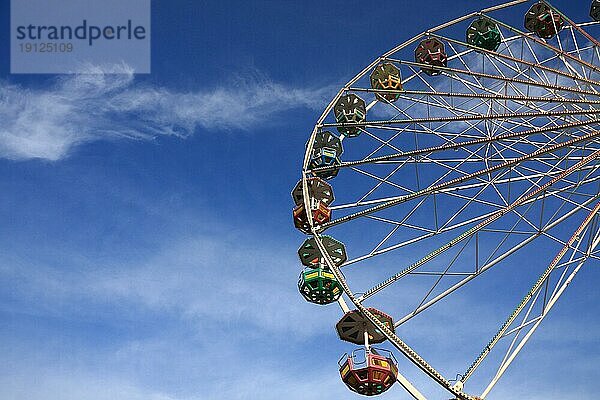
point(46, 47)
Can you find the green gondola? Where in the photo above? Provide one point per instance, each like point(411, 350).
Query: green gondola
point(319, 286)
point(484, 33)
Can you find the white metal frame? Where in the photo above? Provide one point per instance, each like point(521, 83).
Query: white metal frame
point(524, 126)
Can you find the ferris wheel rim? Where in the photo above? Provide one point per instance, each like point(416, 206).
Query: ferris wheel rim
point(317, 230)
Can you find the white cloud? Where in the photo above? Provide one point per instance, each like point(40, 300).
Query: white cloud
point(211, 279)
point(221, 280)
point(233, 313)
point(49, 385)
point(226, 296)
point(206, 376)
point(48, 122)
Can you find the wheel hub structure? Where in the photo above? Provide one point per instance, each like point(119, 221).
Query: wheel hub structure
point(453, 186)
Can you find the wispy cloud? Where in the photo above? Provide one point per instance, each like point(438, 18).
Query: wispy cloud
point(236, 325)
point(221, 295)
point(209, 279)
point(72, 386)
point(110, 103)
point(232, 307)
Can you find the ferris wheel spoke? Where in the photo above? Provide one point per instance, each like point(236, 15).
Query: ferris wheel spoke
point(444, 273)
point(475, 148)
point(499, 56)
point(442, 103)
point(552, 168)
point(536, 184)
point(540, 74)
point(519, 73)
point(430, 256)
point(403, 224)
point(381, 181)
point(529, 296)
point(515, 348)
point(436, 131)
point(442, 106)
point(512, 147)
point(445, 135)
point(397, 225)
point(522, 216)
point(573, 24)
point(513, 83)
point(502, 198)
point(412, 355)
point(384, 143)
point(454, 190)
point(568, 200)
point(585, 180)
point(452, 166)
point(529, 38)
point(490, 89)
point(491, 262)
point(569, 189)
point(472, 87)
point(503, 116)
point(436, 188)
point(487, 96)
point(515, 123)
point(443, 227)
point(483, 202)
point(451, 109)
point(459, 56)
point(457, 146)
point(475, 197)
point(554, 239)
point(579, 50)
point(455, 110)
point(507, 46)
point(431, 233)
point(397, 133)
point(561, 47)
point(552, 88)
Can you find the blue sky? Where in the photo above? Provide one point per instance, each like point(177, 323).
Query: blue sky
point(146, 245)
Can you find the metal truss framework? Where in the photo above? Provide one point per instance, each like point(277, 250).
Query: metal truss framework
point(496, 154)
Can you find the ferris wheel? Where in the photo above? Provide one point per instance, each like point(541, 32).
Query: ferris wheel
point(467, 154)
